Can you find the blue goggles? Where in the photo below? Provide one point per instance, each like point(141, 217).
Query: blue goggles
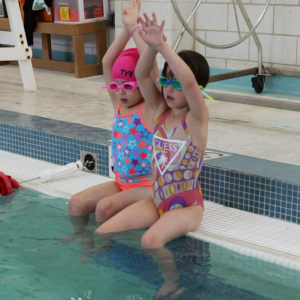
point(164, 81)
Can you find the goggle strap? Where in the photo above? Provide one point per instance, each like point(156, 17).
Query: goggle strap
point(201, 88)
point(205, 94)
point(105, 87)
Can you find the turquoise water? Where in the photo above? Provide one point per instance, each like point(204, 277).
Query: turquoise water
point(38, 262)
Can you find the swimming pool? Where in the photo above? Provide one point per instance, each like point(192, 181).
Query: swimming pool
point(36, 262)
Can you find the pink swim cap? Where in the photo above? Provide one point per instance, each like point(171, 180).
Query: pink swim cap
point(125, 65)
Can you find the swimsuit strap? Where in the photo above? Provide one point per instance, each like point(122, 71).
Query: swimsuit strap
point(185, 128)
point(117, 109)
point(162, 119)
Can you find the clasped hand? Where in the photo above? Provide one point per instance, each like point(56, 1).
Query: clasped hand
point(152, 33)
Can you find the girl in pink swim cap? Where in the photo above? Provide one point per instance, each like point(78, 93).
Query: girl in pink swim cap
point(132, 132)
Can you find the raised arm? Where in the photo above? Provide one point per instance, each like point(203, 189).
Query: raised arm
point(147, 86)
point(181, 71)
point(150, 35)
point(109, 59)
point(130, 19)
point(190, 87)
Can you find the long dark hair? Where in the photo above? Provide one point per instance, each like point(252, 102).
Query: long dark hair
point(197, 63)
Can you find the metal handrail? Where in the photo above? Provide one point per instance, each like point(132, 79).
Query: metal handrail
point(190, 31)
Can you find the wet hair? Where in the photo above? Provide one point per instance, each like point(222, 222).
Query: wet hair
point(197, 63)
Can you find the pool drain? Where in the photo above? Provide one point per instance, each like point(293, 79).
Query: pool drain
point(89, 160)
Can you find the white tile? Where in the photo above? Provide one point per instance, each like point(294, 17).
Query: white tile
point(254, 12)
point(150, 7)
point(287, 20)
point(221, 38)
point(171, 36)
point(218, 1)
point(37, 45)
point(276, 49)
point(118, 13)
point(186, 42)
point(286, 67)
point(225, 1)
point(160, 62)
point(200, 48)
point(169, 15)
point(61, 40)
point(212, 17)
point(90, 40)
point(292, 264)
point(298, 52)
point(285, 263)
point(162, 1)
point(112, 5)
point(285, 2)
point(118, 30)
point(217, 63)
point(240, 64)
point(26, 168)
point(297, 267)
point(37, 37)
point(111, 35)
point(88, 50)
point(62, 48)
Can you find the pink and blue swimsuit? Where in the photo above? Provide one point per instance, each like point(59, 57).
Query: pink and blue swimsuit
point(131, 150)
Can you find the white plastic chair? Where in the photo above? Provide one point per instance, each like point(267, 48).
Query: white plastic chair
point(17, 38)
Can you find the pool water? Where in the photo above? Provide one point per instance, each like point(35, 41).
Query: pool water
point(38, 262)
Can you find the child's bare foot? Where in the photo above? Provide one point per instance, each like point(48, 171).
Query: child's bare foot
point(167, 288)
point(85, 258)
point(70, 237)
point(177, 293)
point(74, 235)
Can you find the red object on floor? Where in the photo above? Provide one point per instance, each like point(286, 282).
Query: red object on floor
point(7, 184)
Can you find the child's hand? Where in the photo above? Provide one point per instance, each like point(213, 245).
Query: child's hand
point(153, 34)
point(130, 15)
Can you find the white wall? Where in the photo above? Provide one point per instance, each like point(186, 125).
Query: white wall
point(279, 32)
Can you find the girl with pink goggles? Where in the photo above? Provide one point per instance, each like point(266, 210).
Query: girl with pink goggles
point(127, 86)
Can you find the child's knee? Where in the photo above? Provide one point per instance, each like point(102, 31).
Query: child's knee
point(103, 210)
point(151, 241)
point(77, 206)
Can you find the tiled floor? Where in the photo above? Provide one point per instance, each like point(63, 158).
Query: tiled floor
point(260, 132)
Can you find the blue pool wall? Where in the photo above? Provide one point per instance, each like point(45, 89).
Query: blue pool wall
point(224, 181)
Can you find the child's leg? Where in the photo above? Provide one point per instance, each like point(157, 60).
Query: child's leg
point(171, 225)
point(142, 214)
point(111, 205)
point(86, 201)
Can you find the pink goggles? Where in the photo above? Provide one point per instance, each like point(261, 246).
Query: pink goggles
point(127, 86)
